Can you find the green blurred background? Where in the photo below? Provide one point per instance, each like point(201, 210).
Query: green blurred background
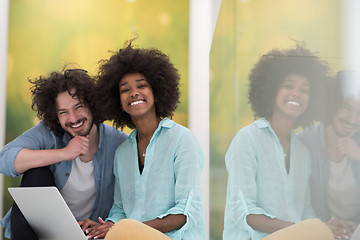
point(245, 30)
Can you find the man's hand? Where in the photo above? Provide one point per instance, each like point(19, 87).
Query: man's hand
point(87, 224)
point(348, 147)
point(341, 228)
point(77, 146)
point(94, 230)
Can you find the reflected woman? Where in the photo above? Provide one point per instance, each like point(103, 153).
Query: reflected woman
point(158, 168)
point(268, 167)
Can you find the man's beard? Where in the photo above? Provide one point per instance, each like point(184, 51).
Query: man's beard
point(81, 134)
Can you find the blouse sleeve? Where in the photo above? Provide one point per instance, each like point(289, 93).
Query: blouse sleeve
point(188, 164)
point(308, 209)
point(117, 211)
point(242, 163)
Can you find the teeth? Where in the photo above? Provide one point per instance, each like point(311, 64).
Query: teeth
point(348, 125)
point(136, 102)
point(294, 103)
point(77, 125)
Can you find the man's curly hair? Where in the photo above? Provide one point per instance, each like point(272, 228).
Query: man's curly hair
point(341, 88)
point(160, 73)
point(270, 71)
point(46, 89)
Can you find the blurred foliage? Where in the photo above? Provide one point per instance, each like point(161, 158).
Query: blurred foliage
point(245, 30)
point(45, 35)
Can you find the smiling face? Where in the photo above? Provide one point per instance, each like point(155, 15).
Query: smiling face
point(346, 120)
point(292, 97)
point(74, 117)
point(136, 96)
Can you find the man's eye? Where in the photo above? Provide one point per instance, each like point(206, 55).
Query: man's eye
point(287, 86)
point(305, 90)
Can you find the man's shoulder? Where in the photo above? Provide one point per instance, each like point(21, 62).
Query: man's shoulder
point(311, 134)
point(40, 129)
point(111, 132)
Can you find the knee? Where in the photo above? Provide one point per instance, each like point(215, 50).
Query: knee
point(135, 230)
point(38, 177)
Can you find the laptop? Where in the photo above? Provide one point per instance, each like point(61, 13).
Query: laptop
point(356, 234)
point(47, 213)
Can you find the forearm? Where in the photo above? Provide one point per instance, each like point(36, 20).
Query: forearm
point(266, 224)
point(169, 223)
point(27, 159)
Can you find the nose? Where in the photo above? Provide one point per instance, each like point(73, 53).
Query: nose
point(72, 116)
point(134, 93)
point(295, 94)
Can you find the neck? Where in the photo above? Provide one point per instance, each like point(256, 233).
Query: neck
point(281, 126)
point(146, 127)
point(94, 138)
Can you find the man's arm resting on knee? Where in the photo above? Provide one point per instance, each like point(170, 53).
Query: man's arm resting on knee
point(27, 158)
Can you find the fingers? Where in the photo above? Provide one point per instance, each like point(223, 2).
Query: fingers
point(101, 221)
point(339, 233)
point(99, 231)
point(348, 226)
point(79, 145)
point(341, 144)
point(87, 224)
point(340, 228)
point(83, 141)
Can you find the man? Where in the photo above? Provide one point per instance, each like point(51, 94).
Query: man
point(70, 148)
point(335, 154)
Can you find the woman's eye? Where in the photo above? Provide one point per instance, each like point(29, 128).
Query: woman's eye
point(124, 90)
point(142, 86)
point(305, 90)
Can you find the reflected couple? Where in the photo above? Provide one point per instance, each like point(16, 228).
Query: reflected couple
point(269, 168)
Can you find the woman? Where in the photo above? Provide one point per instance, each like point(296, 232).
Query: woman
point(158, 167)
point(269, 168)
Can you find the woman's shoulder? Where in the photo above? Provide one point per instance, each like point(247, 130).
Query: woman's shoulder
point(174, 127)
point(255, 128)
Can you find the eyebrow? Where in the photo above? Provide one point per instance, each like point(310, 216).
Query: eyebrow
point(65, 109)
point(137, 80)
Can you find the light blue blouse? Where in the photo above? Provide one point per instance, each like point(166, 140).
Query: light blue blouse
point(258, 182)
point(169, 184)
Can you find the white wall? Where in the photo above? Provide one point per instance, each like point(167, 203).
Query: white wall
point(203, 16)
point(4, 24)
point(351, 34)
